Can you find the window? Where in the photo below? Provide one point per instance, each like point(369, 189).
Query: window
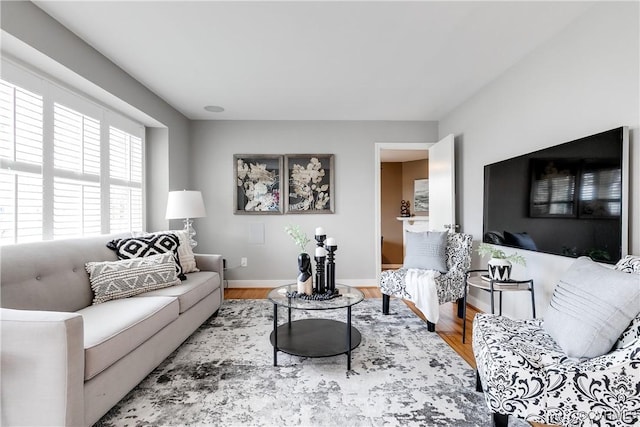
point(82, 177)
point(125, 177)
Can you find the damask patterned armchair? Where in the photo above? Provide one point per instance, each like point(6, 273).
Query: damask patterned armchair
point(524, 372)
point(450, 286)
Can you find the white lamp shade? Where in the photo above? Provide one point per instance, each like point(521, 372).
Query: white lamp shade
point(185, 204)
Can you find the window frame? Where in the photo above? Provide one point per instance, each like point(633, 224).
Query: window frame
point(53, 92)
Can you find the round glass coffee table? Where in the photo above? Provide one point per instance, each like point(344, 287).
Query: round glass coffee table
point(314, 337)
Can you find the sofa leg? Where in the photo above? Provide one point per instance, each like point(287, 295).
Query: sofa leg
point(460, 302)
point(431, 327)
point(500, 420)
point(385, 303)
point(478, 382)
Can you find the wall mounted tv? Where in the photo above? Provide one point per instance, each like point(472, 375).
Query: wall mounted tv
point(570, 199)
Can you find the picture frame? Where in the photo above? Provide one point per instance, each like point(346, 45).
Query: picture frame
point(310, 183)
point(258, 184)
point(421, 195)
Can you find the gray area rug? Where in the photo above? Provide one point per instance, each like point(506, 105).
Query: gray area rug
point(223, 375)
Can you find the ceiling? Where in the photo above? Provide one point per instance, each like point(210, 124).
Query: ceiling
point(305, 60)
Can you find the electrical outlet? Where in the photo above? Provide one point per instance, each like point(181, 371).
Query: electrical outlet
point(243, 262)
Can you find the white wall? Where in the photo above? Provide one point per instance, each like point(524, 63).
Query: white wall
point(213, 145)
point(584, 81)
point(29, 24)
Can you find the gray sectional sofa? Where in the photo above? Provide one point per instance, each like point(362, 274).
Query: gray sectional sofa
point(66, 362)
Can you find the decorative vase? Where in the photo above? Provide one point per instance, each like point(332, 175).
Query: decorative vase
point(305, 276)
point(499, 269)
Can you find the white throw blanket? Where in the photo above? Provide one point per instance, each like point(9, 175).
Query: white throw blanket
point(421, 285)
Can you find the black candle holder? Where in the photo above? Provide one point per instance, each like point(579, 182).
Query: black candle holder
point(331, 267)
point(320, 238)
point(320, 286)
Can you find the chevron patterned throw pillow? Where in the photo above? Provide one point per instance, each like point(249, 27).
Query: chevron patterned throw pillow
point(143, 246)
point(121, 279)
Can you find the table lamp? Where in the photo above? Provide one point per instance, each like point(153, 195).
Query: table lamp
point(186, 204)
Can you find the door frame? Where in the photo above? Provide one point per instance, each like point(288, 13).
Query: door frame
point(379, 146)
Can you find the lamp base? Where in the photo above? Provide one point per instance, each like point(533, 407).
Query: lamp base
point(188, 227)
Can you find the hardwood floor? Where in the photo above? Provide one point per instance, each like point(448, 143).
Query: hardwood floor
point(449, 327)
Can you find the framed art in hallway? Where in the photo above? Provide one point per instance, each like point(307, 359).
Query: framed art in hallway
point(258, 184)
point(421, 195)
point(310, 183)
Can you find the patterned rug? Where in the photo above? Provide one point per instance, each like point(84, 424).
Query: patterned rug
point(223, 375)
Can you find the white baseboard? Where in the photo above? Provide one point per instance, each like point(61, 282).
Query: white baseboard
point(276, 283)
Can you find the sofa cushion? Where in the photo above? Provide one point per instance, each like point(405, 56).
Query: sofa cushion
point(426, 250)
point(121, 279)
point(51, 275)
point(590, 307)
point(113, 329)
point(143, 246)
point(190, 292)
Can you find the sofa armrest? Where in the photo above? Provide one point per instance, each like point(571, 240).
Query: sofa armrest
point(210, 262)
point(42, 365)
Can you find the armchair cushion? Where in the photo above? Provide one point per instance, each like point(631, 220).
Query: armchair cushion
point(426, 250)
point(590, 307)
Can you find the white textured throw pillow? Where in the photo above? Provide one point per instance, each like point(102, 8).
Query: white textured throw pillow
point(126, 278)
point(426, 250)
point(590, 307)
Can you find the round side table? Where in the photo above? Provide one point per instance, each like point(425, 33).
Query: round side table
point(480, 279)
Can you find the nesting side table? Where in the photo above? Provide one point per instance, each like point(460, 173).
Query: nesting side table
point(479, 279)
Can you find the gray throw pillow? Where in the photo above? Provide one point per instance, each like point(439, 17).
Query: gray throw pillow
point(122, 279)
point(426, 250)
point(590, 307)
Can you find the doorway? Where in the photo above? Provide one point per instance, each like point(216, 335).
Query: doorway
point(392, 153)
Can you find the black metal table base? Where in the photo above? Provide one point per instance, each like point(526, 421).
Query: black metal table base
point(315, 338)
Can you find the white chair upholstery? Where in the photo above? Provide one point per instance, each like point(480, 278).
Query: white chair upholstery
point(523, 372)
point(450, 286)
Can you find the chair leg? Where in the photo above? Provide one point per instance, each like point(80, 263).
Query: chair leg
point(385, 303)
point(431, 327)
point(500, 420)
point(478, 383)
point(460, 302)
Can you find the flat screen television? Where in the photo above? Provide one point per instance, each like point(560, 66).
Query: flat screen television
point(570, 199)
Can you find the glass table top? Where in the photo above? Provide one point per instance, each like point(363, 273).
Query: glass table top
point(348, 296)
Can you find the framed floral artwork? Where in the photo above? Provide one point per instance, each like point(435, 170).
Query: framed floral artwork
point(310, 187)
point(258, 184)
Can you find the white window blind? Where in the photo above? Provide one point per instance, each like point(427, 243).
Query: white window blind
point(21, 117)
point(51, 185)
point(76, 208)
point(20, 207)
point(21, 153)
point(125, 177)
point(76, 141)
